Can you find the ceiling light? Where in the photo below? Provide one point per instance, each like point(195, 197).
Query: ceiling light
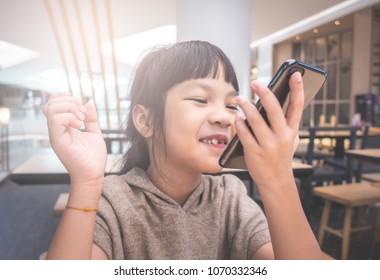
point(129, 49)
point(315, 30)
point(298, 37)
point(337, 22)
point(11, 55)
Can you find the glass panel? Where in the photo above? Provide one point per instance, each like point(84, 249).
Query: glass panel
point(320, 51)
point(306, 117)
point(330, 111)
point(344, 112)
point(318, 111)
point(333, 47)
point(333, 53)
point(309, 49)
point(331, 82)
point(297, 51)
point(347, 46)
point(345, 81)
point(319, 95)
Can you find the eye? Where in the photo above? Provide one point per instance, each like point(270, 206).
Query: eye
point(199, 100)
point(232, 107)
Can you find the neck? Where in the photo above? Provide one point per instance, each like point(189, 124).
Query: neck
point(178, 185)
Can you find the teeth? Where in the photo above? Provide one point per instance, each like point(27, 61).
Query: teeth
point(212, 141)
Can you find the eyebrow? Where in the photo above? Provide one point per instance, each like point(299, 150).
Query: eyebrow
point(208, 88)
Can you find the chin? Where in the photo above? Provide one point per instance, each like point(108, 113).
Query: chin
point(212, 169)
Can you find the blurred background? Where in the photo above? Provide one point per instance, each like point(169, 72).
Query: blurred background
point(90, 48)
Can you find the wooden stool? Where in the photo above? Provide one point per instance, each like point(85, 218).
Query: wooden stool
point(371, 177)
point(350, 195)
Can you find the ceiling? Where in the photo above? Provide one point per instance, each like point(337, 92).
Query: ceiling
point(26, 23)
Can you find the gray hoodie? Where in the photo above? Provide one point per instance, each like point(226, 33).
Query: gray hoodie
point(219, 220)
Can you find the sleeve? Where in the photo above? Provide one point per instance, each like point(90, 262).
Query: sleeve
point(107, 233)
point(248, 227)
point(102, 231)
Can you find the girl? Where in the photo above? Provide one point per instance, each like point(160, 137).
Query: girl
point(183, 113)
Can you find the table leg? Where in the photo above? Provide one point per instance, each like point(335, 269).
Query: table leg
point(339, 148)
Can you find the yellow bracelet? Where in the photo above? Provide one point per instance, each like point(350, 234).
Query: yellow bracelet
point(85, 209)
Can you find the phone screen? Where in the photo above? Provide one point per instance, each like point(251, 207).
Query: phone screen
point(313, 80)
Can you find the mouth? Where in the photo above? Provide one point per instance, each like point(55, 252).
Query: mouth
point(216, 140)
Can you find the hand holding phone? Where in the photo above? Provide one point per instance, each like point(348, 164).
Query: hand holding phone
point(313, 79)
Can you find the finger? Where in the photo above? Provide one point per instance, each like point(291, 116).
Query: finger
point(270, 104)
point(295, 109)
point(66, 106)
point(91, 119)
point(59, 98)
point(256, 121)
point(245, 135)
point(60, 122)
point(58, 95)
point(63, 102)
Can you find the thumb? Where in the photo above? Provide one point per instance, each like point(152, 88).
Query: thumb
point(91, 119)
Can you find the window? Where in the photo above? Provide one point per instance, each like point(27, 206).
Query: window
point(333, 53)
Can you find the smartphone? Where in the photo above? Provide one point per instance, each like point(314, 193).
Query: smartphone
point(313, 80)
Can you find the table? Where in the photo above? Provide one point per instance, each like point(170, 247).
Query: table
point(47, 169)
point(339, 133)
point(367, 155)
point(363, 155)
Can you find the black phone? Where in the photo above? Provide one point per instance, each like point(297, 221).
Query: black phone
point(313, 80)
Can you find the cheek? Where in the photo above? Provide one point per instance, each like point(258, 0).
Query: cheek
point(180, 118)
point(233, 126)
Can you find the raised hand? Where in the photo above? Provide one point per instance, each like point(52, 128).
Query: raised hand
point(83, 153)
point(269, 154)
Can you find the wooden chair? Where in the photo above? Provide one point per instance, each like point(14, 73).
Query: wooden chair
point(350, 196)
point(323, 171)
point(370, 140)
point(116, 141)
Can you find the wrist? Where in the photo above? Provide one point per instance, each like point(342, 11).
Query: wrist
point(87, 190)
point(281, 193)
point(278, 189)
point(87, 181)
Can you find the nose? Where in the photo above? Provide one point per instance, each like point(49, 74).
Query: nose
point(221, 118)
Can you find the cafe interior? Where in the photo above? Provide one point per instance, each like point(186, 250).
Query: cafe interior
point(90, 47)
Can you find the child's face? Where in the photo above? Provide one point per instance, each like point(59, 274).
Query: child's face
point(199, 121)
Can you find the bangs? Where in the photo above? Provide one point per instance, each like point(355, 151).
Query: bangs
point(194, 60)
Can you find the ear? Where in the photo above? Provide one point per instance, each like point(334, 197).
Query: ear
point(141, 120)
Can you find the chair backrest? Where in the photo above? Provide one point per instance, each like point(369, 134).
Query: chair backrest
point(371, 138)
point(313, 131)
point(116, 141)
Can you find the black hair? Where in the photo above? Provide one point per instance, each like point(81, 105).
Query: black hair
point(156, 74)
